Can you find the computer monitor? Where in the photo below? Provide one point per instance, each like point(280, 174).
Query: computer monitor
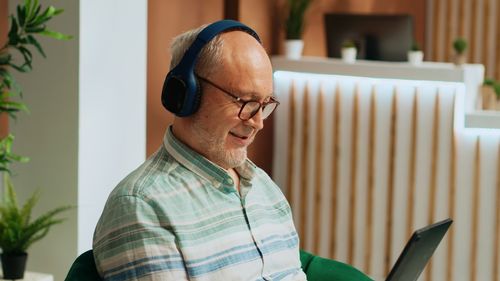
point(377, 37)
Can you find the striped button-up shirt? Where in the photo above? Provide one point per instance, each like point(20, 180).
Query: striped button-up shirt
point(180, 217)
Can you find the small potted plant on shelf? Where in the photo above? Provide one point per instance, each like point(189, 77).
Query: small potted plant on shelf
point(17, 229)
point(490, 94)
point(349, 51)
point(460, 46)
point(415, 54)
point(294, 26)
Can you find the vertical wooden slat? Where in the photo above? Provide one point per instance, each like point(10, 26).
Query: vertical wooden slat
point(318, 173)
point(461, 18)
point(390, 187)
point(354, 168)
point(452, 190)
point(496, 242)
point(335, 160)
point(304, 179)
point(412, 165)
point(473, 24)
point(485, 31)
point(475, 208)
point(435, 30)
point(434, 170)
point(371, 183)
point(448, 31)
point(497, 65)
point(291, 146)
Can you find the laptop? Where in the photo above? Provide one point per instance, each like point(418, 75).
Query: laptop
point(418, 251)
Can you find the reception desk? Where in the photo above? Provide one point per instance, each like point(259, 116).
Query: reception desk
point(365, 160)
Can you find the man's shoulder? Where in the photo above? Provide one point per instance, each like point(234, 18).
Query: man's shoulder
point(158, 174)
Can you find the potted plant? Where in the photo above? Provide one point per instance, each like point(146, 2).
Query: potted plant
point(17, 230)
point(349, 51)
point(294, 26)
point(460, 45)
point(415, 54)
point(490, 94)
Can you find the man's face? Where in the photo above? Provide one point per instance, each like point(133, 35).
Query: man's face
point(245, 72)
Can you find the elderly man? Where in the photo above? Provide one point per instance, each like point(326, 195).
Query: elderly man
point(198, 209)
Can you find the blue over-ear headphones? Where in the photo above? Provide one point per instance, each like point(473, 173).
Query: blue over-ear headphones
point(181, 93)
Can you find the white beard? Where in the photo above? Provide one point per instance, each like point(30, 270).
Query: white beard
point(214, 149)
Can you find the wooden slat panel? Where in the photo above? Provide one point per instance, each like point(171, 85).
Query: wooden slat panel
point(448, 31)
point(304, 179)
point(451, 197)
point(485, 31)
point(291, 145)
point(390, 187)
point(371, 183)
point(335, 164)
point(318, 172)
point(475, 208)
point(412, 165)
point(435, 30)
point(461, 18)
point(473, 34)
point(354, 168)
point(433, 178)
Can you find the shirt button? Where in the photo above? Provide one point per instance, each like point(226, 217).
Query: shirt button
point(229, 181)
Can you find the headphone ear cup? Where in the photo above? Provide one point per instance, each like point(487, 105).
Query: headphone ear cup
point(173, 94)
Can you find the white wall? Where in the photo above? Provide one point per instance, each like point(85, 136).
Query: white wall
point(87, 127)
point(112, 109)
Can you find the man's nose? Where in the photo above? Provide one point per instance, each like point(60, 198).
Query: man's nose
point(257, 122)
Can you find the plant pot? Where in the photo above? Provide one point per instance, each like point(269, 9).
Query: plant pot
point(488, 98)
point(349, 55)
point(460, 59)
point(14, 265)
point(293, 48)
point(415, 57)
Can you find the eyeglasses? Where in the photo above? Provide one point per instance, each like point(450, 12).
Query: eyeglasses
point(248, 107)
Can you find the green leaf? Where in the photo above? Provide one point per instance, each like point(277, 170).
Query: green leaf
point(56, 35)
point(13, 36)
point(21, 15)
point(21, 68)
point(36, 29)
point(4, 59)
point(31, 39)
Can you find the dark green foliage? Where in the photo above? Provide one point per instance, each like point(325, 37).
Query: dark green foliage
point(415, 46)
point(348, 44)
point(17, 230)
point(30, 20)
point(294, 23)
point(460, 45)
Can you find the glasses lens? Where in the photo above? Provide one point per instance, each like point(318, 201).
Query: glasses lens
point(267, 109)
point(249, 109)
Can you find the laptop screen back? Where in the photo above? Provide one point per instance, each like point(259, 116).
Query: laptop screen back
point(418, 251)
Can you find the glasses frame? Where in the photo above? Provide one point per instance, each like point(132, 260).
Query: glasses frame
point(242, 101)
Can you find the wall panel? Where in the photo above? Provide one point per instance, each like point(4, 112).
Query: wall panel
point(401, 159)
point(478, 21)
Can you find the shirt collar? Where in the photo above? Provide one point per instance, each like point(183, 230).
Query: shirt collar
point(200, 165)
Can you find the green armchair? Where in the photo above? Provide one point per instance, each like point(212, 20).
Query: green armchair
point(316, 269)
point(321, 269)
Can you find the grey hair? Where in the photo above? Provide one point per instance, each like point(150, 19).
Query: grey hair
point(210, 55)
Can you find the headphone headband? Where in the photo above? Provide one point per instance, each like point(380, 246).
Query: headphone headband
point(181, 94)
